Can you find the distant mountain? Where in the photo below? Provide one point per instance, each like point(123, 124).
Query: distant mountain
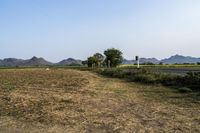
point(11, 62)
point(19, 62)
point(176, 59)
point(69, 61)
point(179, 59)
point(149, 60)
point(36, 62)
point(125, 61)
point(142, 61)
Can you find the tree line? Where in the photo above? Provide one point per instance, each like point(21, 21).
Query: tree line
point(111, 58)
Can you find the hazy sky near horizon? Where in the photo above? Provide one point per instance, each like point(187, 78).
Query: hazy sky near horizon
point(58, 29)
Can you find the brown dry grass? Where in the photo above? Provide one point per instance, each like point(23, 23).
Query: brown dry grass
point(35, 100)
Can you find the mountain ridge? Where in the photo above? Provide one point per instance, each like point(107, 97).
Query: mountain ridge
point(69, 61)
point(175, 59)
point(35, 61)
point(180, 59)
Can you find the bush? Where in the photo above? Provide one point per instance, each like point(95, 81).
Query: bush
point(118, 73)
point(191, 80)
point(170, 80)
point(144, 78)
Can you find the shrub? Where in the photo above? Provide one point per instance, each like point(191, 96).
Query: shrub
point(192, 79)
point(118, 73)
point(144, 78)
point(170, 80)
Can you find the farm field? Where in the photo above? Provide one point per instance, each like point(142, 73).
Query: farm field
point(169, 69)
point(66, 100)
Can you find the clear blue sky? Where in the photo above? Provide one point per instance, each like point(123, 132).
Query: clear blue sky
point(58, 29)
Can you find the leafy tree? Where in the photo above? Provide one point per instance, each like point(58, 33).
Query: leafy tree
point(100, 58)
point(85, 62)
point(113, 57)
point(92, 61)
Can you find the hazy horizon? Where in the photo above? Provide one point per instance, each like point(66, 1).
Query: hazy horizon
point(59, 29)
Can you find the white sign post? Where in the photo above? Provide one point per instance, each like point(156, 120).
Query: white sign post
point(138, 61)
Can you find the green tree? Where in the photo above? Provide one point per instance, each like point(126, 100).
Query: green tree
point(92, 61)
point(113, 57)
point(99, 58)
point(85, 62)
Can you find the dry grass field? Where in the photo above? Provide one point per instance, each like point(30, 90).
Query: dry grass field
point(64, 100)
